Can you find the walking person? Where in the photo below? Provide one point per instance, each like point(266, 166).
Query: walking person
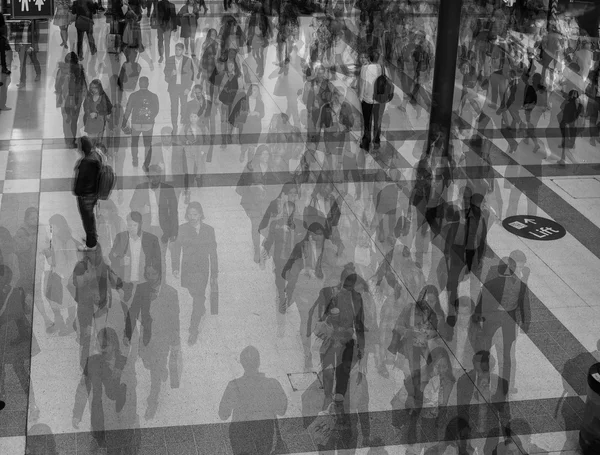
point(4, 45)
point(143, 107)
point(188, 16)
point(179, 75)
point(85, 189)
point(372, 111)
point(198, 263)
point(84, 11)
point(167, 24)
point(70, 88)
point(96, 108)
point(570, 111)
point(30, 50)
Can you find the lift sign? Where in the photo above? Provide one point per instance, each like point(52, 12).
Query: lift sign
point(534, 227)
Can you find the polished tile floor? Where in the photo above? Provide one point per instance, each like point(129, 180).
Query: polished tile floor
point(550, 359)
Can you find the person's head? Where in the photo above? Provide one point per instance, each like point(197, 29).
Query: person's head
point(60, 227)
point(373, 55)
point(519, 258)
point(430, 296)
point(194, 213)
point(507, 266)
point(211, 34)
point(231, 66)
point(290, 189)
point(438, 362)
point(108, 341)
point(72, 58)
point(573, 95)
point(96, 87)
point(144, 82)
point(31, 217)
point(253, 91)
point(483, 362)
point(250, 359)
point(316, 232)
point(194, 118)
point(154, 174)
point(87, 146)
point(198, 92)
point(134, 223)
point(6, 275)
point(190, 2)
point(348, 277)
point(179, 49)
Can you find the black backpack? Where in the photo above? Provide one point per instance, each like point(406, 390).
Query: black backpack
point(384, 88)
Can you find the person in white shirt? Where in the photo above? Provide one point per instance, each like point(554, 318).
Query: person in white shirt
point(372, 111)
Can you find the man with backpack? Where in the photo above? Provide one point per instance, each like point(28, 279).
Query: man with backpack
point(143, 106)
point(86, 189)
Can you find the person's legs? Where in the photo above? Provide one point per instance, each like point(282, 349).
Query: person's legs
point(342, 371)
point(147, 136)
point(198, 293)
point(161, 42)
point(135, 138)
point(80, 34)
point(36, 64)
point(174, 96)
point(367, 110)
point(91, 42)
point(86, 210)
point(23, 59)
point(74, 121)
point(377, 117)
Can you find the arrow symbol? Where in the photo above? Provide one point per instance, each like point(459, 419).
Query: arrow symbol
point(529, 220)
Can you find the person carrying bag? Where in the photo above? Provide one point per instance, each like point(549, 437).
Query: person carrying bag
point(84, 11)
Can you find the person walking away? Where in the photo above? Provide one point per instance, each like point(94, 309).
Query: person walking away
point(84, 11)
point(70, 88)
point(96, 108)
point(570, 111)
point(143, 107)
point(179, 75)
point(372, 111)
point(4, 45)
point(196, 240)
point(188, 16)
point(86, 190)
point(30, 50)
point(128, 76)
point(167, 24)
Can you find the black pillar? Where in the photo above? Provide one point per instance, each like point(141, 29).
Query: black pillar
point(446, 53)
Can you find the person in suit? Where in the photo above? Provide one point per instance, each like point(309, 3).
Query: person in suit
point(312, 260)
point(246, 114)
point(167, 24)
point(502, 304)
point(133, 250)
point(466, 243)
point(157, 203)
point(157, 304)
point(179, 75)
point(197, 264)
point(285, 231)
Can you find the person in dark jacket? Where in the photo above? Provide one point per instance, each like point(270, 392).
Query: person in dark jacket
point(84, 11)
point(167, 23)
point(199, 246)
point(134, 250)
point(86, 189)
point(4, 45)
point(143, 106)
point(570, 111)
point(70, 89)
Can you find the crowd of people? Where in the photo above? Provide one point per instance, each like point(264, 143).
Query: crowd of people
point(387, 272)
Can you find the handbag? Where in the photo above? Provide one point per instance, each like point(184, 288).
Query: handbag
point(54, 288)
point(84, 23)
point(321, 428)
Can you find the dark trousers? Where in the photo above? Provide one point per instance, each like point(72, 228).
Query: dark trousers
point(4, 46)
point(372, 115)
point(569, 133)
point(91, 42)
point(70, 121)
point(164, 42)
point(593, 108)
point(86, 205)
point(198, 293)
point(147, 137)
point(178, 100)
point(342, 367)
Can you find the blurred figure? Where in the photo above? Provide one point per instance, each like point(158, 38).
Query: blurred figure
point(158, 305)
point(167, 24)
point(198, 263)
point(246, 114)
point(70, 88)
point(179, 75)
point(8, 254)
point(502, 304)
point(96, 107)
point(372, 111)
point(85, 189)
point(253, 402)
point(456, 439)
point(25, 241)
point(102, 375)
point(570, 111)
